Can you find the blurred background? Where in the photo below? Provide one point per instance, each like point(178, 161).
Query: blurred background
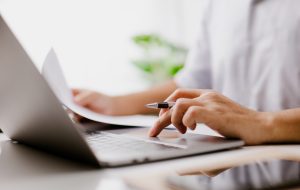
point(113, 46)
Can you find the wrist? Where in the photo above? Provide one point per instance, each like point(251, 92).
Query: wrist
point(259, 128)
point(280, 127)
point(267, 127)
point(282, 130)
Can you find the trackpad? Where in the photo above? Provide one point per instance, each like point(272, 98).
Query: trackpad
point(170, 137)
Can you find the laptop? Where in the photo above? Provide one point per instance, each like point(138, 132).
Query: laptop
point(31, 114)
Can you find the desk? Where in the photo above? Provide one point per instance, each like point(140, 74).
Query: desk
point(22, 167)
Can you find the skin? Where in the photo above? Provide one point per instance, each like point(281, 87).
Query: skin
point(228, 118)
point(124, 105)
point(199, 106)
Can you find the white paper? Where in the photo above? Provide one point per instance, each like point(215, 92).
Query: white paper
point(53, 73)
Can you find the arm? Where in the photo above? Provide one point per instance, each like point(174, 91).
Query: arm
point(126, 104)
point(285, 125)
point(228, 118)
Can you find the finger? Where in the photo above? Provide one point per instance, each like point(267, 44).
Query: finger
point(84, 98)
point(192, 116)
point(181, 128)
point(161, 123)
point(162, 111)
point(76, 91)
point(179, 110)
point(182, 93)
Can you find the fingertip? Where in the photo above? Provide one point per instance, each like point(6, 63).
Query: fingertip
point(183, 130)
point(152, 132)
point(75, 91)
point(194, 127)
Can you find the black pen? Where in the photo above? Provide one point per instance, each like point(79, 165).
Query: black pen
point(160, 105)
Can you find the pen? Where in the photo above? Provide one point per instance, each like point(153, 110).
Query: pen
point(166, 105)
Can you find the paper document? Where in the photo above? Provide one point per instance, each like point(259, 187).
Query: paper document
point(55, 78)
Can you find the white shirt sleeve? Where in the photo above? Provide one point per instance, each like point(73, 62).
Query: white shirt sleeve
point(197, 72)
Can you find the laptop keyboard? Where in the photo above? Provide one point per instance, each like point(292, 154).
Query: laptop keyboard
point(112, 143)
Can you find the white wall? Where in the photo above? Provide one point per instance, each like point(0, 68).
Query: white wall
point(92, 37)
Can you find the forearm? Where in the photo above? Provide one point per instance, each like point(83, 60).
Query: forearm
point(135, 103)
point(285, 126)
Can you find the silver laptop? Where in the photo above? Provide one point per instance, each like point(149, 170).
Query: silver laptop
point(31, 114)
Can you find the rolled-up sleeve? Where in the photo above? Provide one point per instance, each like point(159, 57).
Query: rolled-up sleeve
point(197, 70)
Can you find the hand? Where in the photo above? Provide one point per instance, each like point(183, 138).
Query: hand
point(96, 101)
point(217, 112)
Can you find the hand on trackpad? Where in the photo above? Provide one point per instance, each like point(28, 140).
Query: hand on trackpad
point(168, 136)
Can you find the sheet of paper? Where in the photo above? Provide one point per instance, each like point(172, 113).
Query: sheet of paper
point(53, 73)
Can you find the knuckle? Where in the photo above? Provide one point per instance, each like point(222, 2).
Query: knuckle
point(179, 91)
point(212, 95)
point(180, 100)
point(180, 103)
point(193, 111)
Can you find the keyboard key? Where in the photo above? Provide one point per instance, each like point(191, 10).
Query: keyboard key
point(111, 143)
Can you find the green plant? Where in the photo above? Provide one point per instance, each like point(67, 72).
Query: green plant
point(159, 58)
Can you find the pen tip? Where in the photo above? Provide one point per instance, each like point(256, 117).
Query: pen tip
point(151, 105)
